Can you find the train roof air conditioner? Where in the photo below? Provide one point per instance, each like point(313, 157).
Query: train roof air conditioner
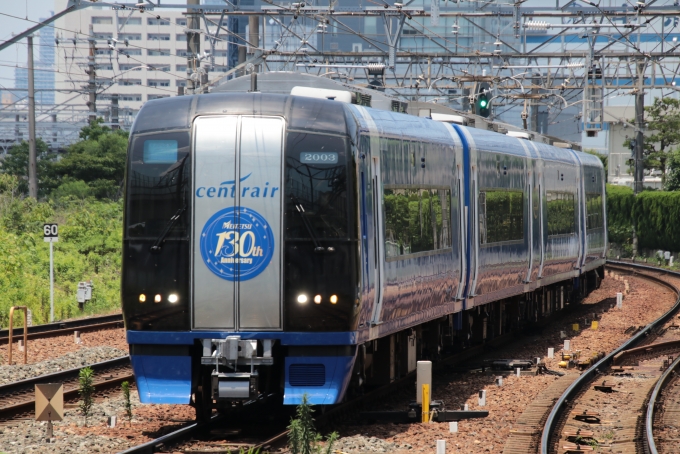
point(447, 118)
point(519, 135)
point(323, 93)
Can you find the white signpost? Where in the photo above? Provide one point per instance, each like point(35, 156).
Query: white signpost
point(51, 235)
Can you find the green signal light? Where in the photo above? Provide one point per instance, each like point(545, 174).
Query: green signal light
point(483, 103)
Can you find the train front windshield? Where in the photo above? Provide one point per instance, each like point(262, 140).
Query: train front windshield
point(156, 236)
point(320, 234)
point(169, 187)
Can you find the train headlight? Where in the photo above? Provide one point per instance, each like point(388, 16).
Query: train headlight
point(302, 299)
point(317, 299)
point(157, 299)
point(142, 298)
point(334, 299)
point(173, 298)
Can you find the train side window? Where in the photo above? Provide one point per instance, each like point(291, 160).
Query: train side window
point(594, 218)
point(561, 213)
point(417, 220)
point(501, 216)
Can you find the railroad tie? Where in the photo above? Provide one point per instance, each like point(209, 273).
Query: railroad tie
point(525, 437)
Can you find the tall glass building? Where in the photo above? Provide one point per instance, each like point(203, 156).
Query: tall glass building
point(43, 49)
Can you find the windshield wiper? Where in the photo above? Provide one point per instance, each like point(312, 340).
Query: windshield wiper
point(171, 223)
point(317, 246)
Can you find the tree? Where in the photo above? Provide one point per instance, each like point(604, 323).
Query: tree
point(662, 133)
point(98, 160)
point(16, 163)
point(673, 179)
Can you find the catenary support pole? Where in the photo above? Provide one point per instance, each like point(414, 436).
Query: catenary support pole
point(114, 112)
point(639, 127)
point(253, 34)
point(32, 154)
point(92, 81)
point(639, 141)
point(193, 47)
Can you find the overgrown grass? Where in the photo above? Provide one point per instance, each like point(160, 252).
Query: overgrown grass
point(89, 248)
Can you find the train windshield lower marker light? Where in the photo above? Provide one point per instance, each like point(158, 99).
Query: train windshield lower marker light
point(334, 299)
point(173, 298)
point(157, 299)
point(142, 298)
point(317, 299)
point(302, 299)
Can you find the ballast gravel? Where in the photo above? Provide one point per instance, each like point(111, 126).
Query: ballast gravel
point(70, 435)
point(72, 360)
point(368, 444)
point(645, 302)
point(53, 347)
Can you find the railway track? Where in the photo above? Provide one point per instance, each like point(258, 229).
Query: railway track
point(324, 421)
point(662, 412)
point(17, 399)
point(548, 408)
point(269, 441)
point(66, 327)
point(598, 408)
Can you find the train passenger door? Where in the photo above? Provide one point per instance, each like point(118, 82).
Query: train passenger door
point(541, 227)
point(531, 211)
point(237, 222)
point(377, 240)
point(462, 232)
point(474, 235)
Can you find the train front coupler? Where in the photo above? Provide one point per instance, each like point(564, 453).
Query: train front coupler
point(235, 377)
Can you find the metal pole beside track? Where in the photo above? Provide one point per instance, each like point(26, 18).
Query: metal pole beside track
point(51, 282)
point(32, 153)
point(11, 332)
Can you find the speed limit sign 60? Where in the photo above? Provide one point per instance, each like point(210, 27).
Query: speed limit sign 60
point(50, 233)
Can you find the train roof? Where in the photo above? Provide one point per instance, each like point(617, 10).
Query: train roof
point(401, 125)
point(331, 116)
point(303, 113)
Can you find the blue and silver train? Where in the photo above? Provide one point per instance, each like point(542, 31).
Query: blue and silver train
point(286, 244)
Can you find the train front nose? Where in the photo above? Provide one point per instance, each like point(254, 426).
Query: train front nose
point(237, 223)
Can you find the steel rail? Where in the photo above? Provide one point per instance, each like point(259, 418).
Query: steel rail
point(651, 405)
point(10, 393)
point(549, 430)
point(327, 417)
point(150, 446)
point(59, 328)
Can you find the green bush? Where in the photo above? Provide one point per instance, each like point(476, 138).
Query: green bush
point(73, 189)
point(654, 214)
point(620, 200)
point(86, 391)
point(125, 386)
point(89, 248)
point(302, 436)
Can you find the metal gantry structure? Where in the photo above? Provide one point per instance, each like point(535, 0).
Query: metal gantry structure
point(573, 56)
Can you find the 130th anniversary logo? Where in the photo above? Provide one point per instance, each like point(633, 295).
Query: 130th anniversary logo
point(237, 244)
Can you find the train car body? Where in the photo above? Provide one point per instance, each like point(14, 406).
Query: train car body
point(283, 243)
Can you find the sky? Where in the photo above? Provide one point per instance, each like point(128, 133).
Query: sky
point(34, 10)
point(16, 53)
